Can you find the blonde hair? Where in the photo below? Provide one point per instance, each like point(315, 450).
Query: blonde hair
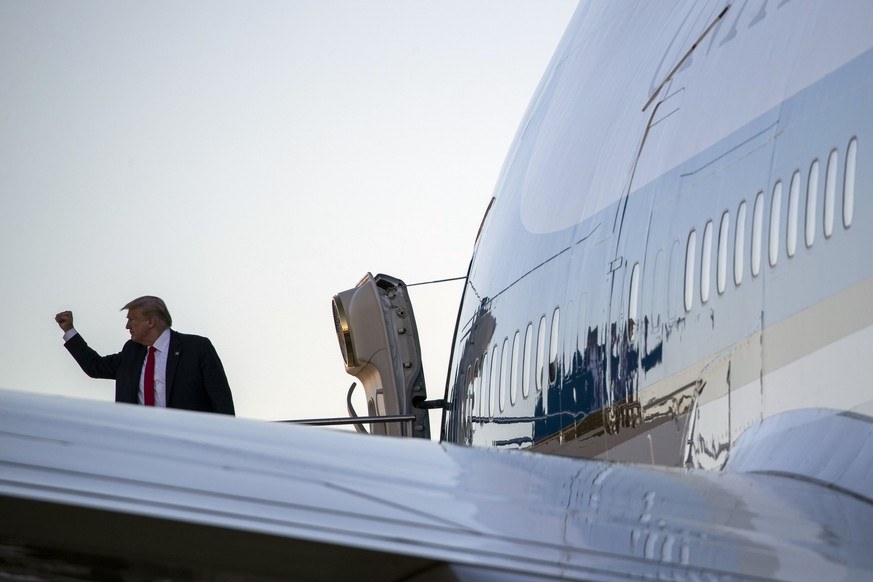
point(151, 306)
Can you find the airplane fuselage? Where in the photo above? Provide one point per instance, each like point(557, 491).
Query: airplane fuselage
point(677, 251)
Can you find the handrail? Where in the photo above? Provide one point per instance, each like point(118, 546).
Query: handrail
point(356, 420)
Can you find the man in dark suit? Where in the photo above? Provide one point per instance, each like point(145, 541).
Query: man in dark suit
point(158, 366)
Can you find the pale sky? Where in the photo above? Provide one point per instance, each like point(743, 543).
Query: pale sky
point(246, 161)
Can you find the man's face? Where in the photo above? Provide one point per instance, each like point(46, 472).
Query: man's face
point(140, 327)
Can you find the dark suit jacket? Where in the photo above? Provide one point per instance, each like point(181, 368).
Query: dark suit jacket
point(195, 376)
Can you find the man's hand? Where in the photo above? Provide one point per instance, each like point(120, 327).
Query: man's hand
point(65, 320)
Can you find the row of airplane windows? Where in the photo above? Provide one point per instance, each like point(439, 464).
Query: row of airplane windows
point(495, 377)
point(813, 188)
point(506, 368)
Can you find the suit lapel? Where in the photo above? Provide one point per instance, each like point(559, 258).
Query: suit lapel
point(173, 355)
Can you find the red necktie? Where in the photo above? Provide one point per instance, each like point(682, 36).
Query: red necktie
point(148, 383)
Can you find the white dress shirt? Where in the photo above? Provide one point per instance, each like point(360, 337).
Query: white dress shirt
point(162, 347)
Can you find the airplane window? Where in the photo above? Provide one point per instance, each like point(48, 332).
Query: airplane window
point(504, 374)
point(689, 269)
point(513, 379)
point(757, 233)
point(811, 202)
point(483, 388)
point(656, 291)
point(633, 300)
point(471, 385)
point(476, 395)
point(675, 282)
point(849, 183)
point(580, 337)
point(791, 228)
point(721, 273)
point(830, 194)
point(495, 378)
point(553, 348)
point(482, 383)
point(569, 343)
point(706, 262)
point(775, 212)
point(528, 354)
point(541, 354)
point(740, 243)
